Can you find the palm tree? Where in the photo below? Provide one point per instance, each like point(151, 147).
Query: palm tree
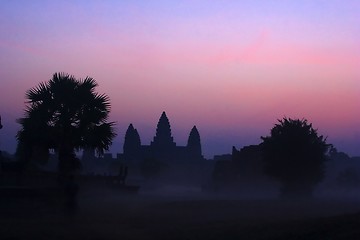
point(65, 114)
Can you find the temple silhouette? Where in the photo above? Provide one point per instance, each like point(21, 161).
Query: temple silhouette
point(163, 147)
point(162, 159)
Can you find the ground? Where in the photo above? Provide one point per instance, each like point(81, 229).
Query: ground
point(107, 214)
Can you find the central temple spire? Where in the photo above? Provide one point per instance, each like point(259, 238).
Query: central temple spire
point(163, 136)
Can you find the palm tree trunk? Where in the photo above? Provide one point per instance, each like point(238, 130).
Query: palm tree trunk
point(66, 154)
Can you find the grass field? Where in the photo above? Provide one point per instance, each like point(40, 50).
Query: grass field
point(111, 215)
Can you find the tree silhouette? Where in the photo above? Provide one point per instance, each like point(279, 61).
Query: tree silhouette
point(65, 114)
point(294, 154)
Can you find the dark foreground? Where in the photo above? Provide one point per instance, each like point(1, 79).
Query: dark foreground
point(110, 215)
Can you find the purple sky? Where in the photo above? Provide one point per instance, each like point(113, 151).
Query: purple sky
point(230, 67)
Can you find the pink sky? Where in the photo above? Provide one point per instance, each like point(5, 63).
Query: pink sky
point(231, 68)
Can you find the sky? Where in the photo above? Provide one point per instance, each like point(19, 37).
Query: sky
point(232, 68)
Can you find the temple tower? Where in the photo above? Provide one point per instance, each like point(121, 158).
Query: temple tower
point(194, 143)
point(132, 143)
point(163, 138)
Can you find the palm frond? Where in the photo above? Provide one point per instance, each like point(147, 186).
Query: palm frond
point(102, 102)
point(100, 137)
point(89, 84)
point(38, 93)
